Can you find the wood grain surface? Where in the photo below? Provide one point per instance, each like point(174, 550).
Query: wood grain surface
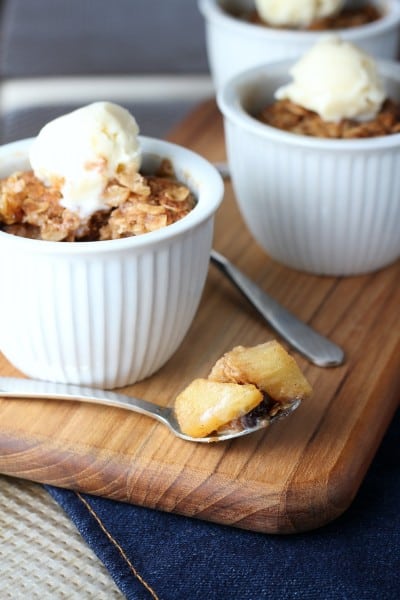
point(299, 474)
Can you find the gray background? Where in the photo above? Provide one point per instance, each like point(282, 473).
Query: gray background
point(68, 38)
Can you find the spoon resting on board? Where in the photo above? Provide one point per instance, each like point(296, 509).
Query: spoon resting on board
point(14, 387)
point(300, 336)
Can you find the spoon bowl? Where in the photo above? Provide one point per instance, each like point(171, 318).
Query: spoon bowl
point(13, 387)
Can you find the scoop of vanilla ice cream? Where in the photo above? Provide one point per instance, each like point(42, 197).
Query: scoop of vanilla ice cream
point(296, 13)
point(336, 80)
point(83, 150)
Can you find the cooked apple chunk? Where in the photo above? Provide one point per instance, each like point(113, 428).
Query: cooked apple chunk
point(268, 366)
point(204, 406)
point(246, 387)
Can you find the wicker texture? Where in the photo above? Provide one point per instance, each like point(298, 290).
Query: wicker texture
point(41, 553)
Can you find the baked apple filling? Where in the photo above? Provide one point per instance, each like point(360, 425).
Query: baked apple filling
point(246, 386)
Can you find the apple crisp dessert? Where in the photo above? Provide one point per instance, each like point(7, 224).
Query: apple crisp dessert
point(137, 204)
point(244, 387)
point(285, 114)
point(346, 18)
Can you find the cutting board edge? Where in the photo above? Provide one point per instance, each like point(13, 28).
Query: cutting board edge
point(251, 505)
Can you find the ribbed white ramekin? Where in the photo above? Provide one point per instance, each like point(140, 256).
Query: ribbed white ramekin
point(107, 313)
point(320, 205)
point(234, 45)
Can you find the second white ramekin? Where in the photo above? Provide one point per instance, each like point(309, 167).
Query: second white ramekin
point(323, 206)
point(234, 45)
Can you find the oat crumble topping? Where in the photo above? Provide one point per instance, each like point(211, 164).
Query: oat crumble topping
point(285, 115)
point(138, 204)
point(348, 17)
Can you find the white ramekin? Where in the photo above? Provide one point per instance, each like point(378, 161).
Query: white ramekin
point(234, 45)
point(324, 206)
point(107, 313)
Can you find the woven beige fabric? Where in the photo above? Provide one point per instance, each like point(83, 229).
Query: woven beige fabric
point(42, 555)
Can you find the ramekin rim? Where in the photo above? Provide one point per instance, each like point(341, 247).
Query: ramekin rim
point(212, 10)
point(231, 108)
point(212, 185)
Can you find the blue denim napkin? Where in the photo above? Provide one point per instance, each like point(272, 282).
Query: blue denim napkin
point(151, 554)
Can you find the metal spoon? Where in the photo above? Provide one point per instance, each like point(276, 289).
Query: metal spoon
point(12, 387)
point(317, 348)
point(314, 346)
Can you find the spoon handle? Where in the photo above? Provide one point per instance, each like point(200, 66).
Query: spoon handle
point(317, 348)
point(13, 387)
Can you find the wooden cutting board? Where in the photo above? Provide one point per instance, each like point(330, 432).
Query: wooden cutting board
point(295, 476)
